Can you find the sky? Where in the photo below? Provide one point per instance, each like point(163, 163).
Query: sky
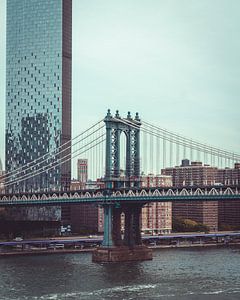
point(176, 62)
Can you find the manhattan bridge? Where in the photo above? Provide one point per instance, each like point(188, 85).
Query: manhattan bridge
point(119, 151)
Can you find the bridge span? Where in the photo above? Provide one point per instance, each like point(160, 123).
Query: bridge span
point(120, 194)
point(123, 196)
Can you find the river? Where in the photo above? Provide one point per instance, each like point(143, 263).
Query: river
point(195, 273)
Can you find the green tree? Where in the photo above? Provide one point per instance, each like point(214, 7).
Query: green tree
point(188, 225)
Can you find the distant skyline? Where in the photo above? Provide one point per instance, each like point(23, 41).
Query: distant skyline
point(175, 62)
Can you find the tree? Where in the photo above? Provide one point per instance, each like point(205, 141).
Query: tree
point(188, 225)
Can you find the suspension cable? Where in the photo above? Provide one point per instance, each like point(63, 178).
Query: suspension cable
point(188, 141)
point(197, 146)
point(51, 154)
point(62, 161)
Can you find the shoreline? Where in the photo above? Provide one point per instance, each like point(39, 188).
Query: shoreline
point(195, 246)
point(44, 252)
point(75, 251)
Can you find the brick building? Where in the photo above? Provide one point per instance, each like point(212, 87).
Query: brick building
point(157, 216)
point(194, 173)
point(229, 211)
point(189, 174)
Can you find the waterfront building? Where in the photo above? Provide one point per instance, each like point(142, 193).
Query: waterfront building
point(38, 88)
point(38, 93)
point(229, 211)
point(189, 174)
point(229, 176)
point(156, 217)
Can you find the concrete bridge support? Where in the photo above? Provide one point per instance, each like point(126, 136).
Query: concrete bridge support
point(117, 247)
point(132, 231)
point(107, 238)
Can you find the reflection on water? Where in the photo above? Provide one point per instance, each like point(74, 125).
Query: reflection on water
point(126, 272)
point(173, 273)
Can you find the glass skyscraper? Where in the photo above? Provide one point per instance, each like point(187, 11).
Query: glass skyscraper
point(38, 88)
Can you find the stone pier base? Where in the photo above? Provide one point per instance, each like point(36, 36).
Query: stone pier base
point(121, 254)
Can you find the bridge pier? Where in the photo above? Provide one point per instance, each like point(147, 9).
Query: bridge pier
point(117, 235)
point(132, 232)
point(107, 238)
point(116, 249)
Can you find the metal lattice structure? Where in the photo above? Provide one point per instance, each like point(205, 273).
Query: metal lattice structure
point(127, 195)
point(131, 129)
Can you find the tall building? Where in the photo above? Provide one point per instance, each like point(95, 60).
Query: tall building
point(38, 88)
point(229, 210)
point(189, 174)
point(156, 217)
point(82, 170)
point(38, 97)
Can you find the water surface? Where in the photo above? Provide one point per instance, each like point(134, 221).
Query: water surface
point(172, 274)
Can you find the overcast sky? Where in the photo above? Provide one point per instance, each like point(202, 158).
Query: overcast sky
point(176, 62)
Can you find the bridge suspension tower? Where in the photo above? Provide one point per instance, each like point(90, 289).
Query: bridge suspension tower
point(118, 246)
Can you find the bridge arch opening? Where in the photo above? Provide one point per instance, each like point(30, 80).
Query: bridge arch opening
point(123, 150)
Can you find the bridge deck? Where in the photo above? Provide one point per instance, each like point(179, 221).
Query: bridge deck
point(172, 194)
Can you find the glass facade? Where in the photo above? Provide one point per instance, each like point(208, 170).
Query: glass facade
point(38, 88)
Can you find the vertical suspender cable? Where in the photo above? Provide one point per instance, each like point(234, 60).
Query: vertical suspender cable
point(191, 152)
point(164, 151)
point(177, 154)
point(158, 155)
point(151, 153)
point(171, 153)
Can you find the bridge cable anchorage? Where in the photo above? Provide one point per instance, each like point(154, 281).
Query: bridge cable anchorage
point(50, 154)
point(59, 161)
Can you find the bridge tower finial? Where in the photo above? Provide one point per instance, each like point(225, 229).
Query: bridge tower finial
point(137, 117)
point(129, 115)
point(108, 116)
point(117, 114)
